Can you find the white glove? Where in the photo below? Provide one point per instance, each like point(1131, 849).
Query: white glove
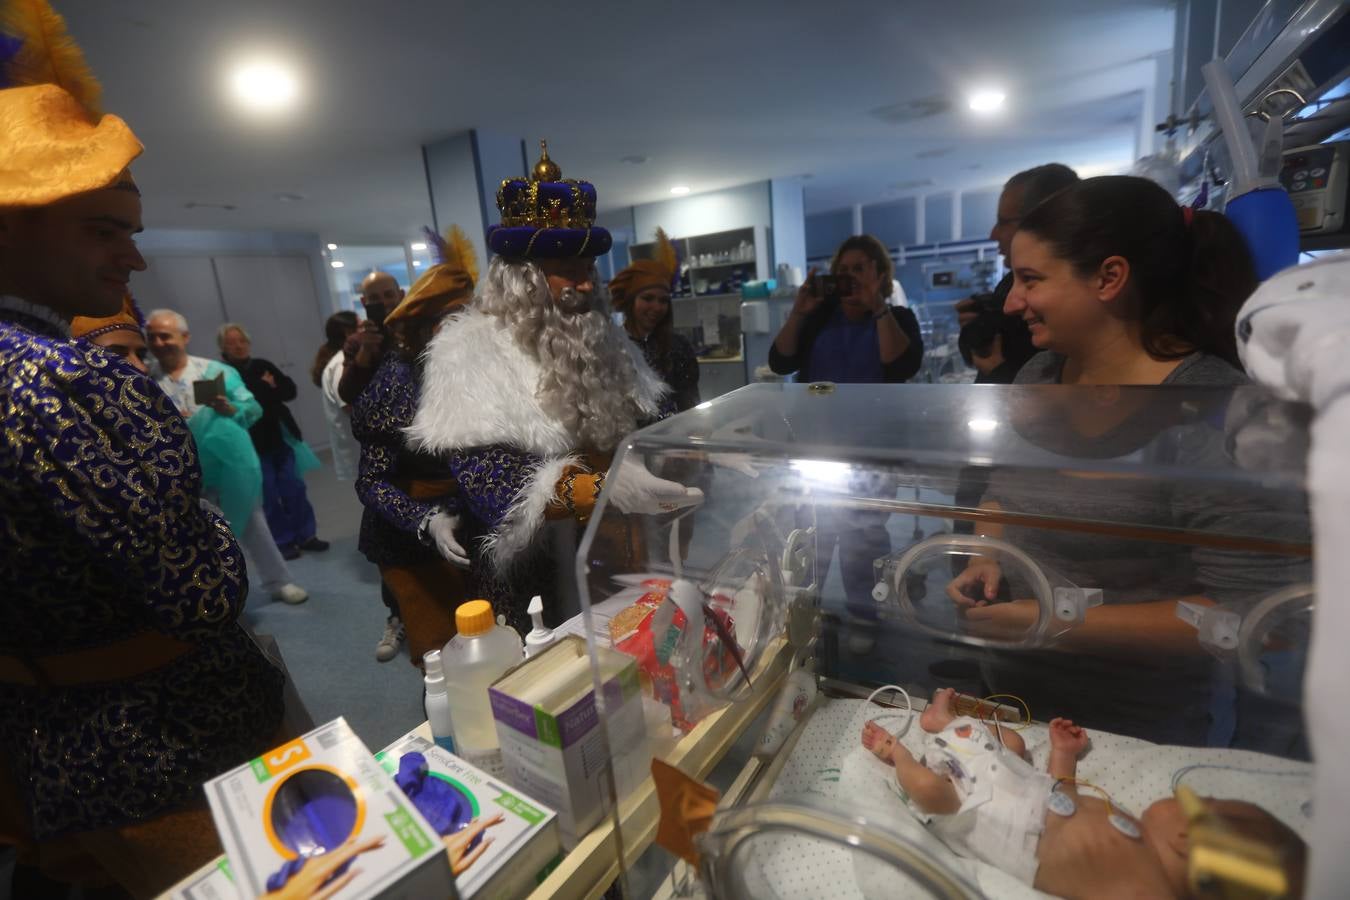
point(635, 490)
point(440, 528)
point(737, 462)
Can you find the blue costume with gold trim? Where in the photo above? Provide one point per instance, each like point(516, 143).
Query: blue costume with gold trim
point(105, 541)
point(391, 519)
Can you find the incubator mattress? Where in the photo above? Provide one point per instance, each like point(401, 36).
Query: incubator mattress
point(829, 767)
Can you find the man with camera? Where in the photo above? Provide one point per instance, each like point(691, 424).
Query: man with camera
point(994, 344)
point(365, 350)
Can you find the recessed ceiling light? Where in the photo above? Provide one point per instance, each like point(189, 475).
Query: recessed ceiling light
point(332, 246)
point(264, 86)
point(987, 101)
point(419, 246)
point(417, 264)
point(679, 190)
point(337, 264)
point(982, 425)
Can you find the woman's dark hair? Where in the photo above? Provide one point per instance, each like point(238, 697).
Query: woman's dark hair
point(1189, 273)
point(336, 330)
point(876, 251)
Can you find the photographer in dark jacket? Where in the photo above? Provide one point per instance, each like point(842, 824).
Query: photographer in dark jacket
point(276, 437)
point(849, 335)
point(994, 344)
point(842, 330)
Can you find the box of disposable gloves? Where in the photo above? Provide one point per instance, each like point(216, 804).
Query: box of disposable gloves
point(502, 843)
point(213, 881)
point(319, 815)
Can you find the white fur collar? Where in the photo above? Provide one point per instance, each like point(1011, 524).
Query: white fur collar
point(478, 388)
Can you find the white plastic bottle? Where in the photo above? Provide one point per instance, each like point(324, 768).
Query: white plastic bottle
point(437, 702)
point(472, 660)
point(540, 638)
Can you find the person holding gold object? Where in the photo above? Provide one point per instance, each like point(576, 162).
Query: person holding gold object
point(529, 391)
point(411, 511)
point(126, 679)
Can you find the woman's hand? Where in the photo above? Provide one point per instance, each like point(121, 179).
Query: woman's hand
point(807, 299)
point(977, 585)
point(1001, 621)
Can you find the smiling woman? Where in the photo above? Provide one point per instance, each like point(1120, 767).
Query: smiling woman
point(1123, 286)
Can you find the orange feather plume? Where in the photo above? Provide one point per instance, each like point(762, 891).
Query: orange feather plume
point(665, 253)
point(49, 55)
point(459, 251)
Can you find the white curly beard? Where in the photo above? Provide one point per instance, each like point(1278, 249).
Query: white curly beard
point(589, 381)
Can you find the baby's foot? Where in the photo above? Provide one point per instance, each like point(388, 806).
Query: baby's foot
point(939, 713)
point(880, 741)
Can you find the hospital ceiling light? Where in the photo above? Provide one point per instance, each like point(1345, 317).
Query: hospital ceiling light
point(987, 101)
point(337, 264)
point(332, 246)
point(680, 190)
point(264, 86)
point(982, 426)
point(418, 246)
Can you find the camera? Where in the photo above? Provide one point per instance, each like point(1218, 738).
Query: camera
point(977, 335)
point(833, 287)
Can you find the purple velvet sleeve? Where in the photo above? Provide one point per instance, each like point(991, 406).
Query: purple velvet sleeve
point(491, 478)
point(379, 416)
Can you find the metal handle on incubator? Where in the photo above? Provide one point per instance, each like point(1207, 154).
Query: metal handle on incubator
point(732, 828)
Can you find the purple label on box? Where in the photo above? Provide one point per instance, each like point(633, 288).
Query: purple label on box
point(513, 712)
point(577, 722)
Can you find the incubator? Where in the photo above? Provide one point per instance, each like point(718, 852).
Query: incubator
point(1136, 560)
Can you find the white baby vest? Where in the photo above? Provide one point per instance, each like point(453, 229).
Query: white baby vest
point(1003, 798)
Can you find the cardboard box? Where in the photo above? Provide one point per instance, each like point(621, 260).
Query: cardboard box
point(291, 799)
point(525, 847)
point(555, 745)
point(213, 881)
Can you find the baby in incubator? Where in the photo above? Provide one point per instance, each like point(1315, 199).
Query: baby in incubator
point(990, 803)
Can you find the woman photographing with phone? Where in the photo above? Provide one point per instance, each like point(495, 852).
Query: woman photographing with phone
point(841, 329)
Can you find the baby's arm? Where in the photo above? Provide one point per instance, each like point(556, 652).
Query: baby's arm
point(932, 792)
point(1067, 743)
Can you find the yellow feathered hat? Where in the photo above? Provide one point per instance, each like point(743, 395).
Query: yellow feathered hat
point(55, 142)
point(645, 273)
point(446, 285)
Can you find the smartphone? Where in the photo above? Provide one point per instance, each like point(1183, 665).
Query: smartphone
point(375, 314)
point(832, 287)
